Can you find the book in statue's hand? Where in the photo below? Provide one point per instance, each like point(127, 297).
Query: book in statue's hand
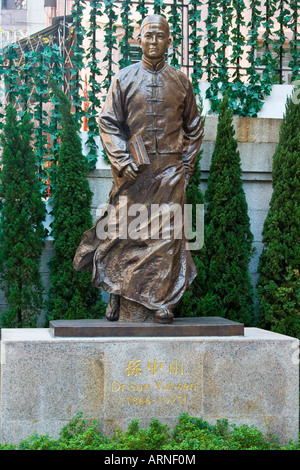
point(138, 152)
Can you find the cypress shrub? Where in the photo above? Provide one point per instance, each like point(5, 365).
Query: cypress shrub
point(278, 287)
point(71, 294)
point(21, 224)
point(190, 303)
point(228, 239)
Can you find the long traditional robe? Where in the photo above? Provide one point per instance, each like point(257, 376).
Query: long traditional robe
point(159, 105)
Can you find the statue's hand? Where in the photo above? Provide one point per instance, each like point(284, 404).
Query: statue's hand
point(130, 172)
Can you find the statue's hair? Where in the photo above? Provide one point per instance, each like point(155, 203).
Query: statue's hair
point(155, 19)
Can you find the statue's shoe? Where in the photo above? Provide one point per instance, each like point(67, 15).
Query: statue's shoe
point(163, 315)
point(113, 308)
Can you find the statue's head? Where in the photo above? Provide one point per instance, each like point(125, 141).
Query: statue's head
point(155, 37)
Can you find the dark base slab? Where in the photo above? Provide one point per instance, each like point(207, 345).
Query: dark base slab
point(199, 326)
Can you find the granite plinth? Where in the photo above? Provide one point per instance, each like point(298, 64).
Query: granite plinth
point(200, 326)
point(249, 379)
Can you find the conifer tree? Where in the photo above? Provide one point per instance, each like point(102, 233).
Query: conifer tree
point(71, 294)
point(21, 224)
point(228, 239)
point(190, 303)
point(278, 286)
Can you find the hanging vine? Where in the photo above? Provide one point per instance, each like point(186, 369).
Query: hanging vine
point(110, 41)
point(224, 39)
point(176, 31)
point(2, 92)
point(269, 63)
point(254, 96)
point(159, 7)
point(12, 73)
point(279, 42)
point(128, 34)
point(24, 86)
point(93, 103)
point(76, 80)
point(295, 42)
point(40, 62)
point(195, 40)
point(219, 82)
point(237, 88)
point(58, 73)
point(209, 51)
point(142, 9)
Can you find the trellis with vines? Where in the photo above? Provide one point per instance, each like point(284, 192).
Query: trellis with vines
point(208, 45)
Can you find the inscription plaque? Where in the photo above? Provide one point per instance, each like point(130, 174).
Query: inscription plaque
point(158, 384)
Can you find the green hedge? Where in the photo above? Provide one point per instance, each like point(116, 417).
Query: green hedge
point(189, 434)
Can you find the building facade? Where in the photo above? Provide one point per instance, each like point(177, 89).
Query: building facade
point(20, 18)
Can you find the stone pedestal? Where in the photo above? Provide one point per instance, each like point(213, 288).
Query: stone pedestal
point(249, 379)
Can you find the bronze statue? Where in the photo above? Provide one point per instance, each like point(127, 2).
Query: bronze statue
point(150, 112)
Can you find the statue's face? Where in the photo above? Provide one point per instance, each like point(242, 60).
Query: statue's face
point(154, 40)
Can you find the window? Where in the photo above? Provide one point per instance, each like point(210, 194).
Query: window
point(20, 4)
point(14, 4)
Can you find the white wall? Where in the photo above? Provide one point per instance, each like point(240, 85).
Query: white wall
point(36, 16)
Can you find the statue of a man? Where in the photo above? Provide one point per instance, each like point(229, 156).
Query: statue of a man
point(156, 102)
